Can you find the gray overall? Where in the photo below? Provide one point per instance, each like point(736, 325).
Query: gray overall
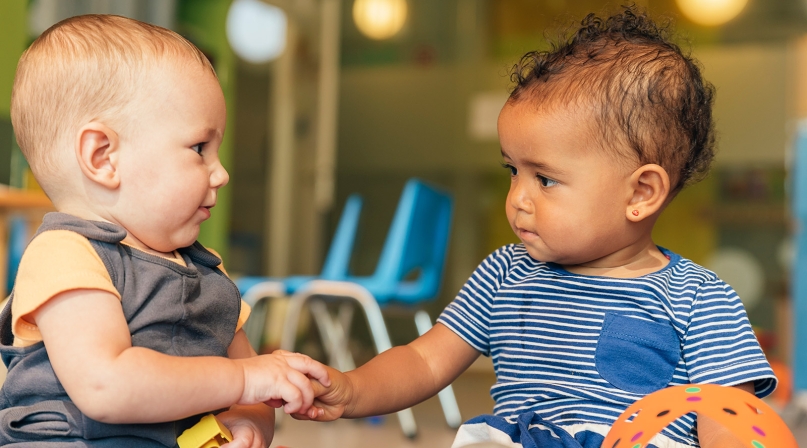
point(170, 308)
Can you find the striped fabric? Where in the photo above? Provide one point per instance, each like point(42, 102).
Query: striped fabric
point(580, 349)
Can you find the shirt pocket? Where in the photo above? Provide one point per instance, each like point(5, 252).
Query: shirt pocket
point(636, 355)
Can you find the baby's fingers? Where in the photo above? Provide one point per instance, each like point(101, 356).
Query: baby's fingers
point(306, 365)
point(313, 413)
point(304, 396)
point(243, 437)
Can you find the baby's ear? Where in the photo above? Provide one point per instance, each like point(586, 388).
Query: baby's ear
point(97, 151)
point(651, 186)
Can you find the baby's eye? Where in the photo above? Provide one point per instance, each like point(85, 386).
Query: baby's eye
point(198, 148)
point(511, 168)
point(547, 182)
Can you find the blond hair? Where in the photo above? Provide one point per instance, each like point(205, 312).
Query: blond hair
point(82, 69)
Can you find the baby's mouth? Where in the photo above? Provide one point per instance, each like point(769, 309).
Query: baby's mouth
point(524, 233)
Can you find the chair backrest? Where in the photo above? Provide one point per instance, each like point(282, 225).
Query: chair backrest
point(18, 238)
point(416, 244)
point(337, 261)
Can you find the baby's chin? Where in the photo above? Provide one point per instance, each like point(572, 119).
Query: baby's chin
point(538, 255)
point(548, 257)
point(168, 247)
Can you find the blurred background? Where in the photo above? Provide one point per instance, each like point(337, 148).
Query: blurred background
point(332, 97)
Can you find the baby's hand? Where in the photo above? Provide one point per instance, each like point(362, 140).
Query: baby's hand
point(282, 379)
point(249, 429)
point(333, 401)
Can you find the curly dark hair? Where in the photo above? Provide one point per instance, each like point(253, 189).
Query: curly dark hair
point(648, 94)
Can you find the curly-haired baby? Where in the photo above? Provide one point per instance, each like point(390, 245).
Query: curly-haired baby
point(586, 315)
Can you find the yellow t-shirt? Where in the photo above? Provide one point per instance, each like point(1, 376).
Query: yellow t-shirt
point(71, 263)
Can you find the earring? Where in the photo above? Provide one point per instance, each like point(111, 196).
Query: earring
point(635, 213)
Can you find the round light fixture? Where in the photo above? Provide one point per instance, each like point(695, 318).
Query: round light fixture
point(379, 19)
point(256, 30)
point(711, 12)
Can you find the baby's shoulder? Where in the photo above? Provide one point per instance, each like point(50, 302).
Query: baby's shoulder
point(687, 271)
point(57, 244)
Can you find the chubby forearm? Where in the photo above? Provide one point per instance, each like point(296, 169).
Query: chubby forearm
point(394, 380)
point(114, 382)
point(404, 376)
point(144, 386)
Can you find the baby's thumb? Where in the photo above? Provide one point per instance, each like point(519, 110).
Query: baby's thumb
point(242, 438)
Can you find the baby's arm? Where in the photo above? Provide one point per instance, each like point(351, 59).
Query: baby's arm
point(398, 378)
point(111, 381)
point(712, 434)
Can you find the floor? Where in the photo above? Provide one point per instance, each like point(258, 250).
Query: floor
point(472, 394)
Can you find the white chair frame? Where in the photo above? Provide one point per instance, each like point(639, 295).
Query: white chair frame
point(335, 337)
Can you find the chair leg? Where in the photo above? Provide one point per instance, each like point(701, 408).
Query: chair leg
point(332, 334)
point(343, 322)
point(378, 329)
point(447, 399)
point(334, 337)
point(375, 320)
point(289, 335)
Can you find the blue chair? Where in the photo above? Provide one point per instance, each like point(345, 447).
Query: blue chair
point(18, 238)
point(416, 244)
point(256, 291)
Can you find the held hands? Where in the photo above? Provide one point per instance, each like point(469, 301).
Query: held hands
point(333, 400)
point(282, 380)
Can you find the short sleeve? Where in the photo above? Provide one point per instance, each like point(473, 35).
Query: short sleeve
point(244, 315)
point(720, 346)
point(468, 315)
point(56, 261)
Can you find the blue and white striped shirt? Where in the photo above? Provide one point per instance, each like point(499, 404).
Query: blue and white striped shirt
point(581, 349)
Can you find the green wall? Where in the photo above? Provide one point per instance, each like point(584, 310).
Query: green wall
point(13, 20)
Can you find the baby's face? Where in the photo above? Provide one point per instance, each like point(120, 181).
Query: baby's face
point(169, 164)
point(568, 195)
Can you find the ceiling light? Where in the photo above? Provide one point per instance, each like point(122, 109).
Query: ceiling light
point(256, 30)
point(379, 19)
point(711, 12)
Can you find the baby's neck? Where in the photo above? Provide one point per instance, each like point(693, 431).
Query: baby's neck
point(628, 263)
point(91, 215)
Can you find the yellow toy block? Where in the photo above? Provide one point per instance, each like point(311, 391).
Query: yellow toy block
point(208, 433)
